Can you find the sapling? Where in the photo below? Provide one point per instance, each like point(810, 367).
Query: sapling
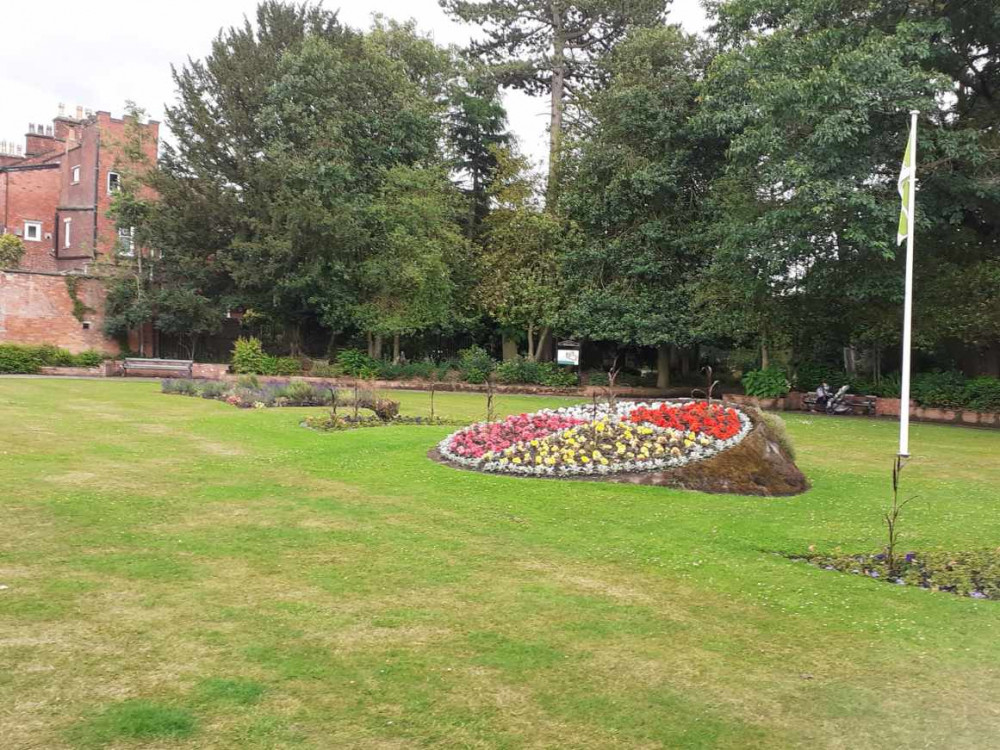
point(891, 517)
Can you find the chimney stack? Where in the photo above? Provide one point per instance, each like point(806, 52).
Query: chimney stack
point(62, 109)
point(48, 130)
point(79, 112)
point(31, 128)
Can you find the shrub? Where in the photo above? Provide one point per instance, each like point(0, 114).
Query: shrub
point(19, 359)
point(180, 386)
point(939, 389)
point(475, 364)
point(534, 373)
point(319, 368)
point(983, 394)
point(89, 358)
point(767, 383)
point(11, 250)
point(248, 356)
point(214, 389)
point(358, 364)
point(285, 366)
point(248, 381)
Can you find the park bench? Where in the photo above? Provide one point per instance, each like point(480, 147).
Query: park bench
point(858, 404)
point(159, 365)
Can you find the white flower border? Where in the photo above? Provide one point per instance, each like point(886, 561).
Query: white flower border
point(697, 452)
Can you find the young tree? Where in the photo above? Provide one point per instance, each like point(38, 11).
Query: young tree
point(551, 47)
point(406, 283)
point(522, 250)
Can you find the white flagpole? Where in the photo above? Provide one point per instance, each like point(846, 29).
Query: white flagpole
point(904, 400)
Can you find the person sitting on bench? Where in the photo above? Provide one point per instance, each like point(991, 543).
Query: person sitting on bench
point(823, 395)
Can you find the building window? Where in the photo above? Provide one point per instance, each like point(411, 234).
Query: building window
point(67, 223)
point(126, 245)
point(33, 231)
point(74, 175)
point(113, 182)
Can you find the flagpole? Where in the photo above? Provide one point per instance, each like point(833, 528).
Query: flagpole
point(904, 400)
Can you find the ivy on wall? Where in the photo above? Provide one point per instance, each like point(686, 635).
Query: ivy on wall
point(80, 309)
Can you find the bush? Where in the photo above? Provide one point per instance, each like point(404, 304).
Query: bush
point(180, 386)
point(214, 389)
point(983, 394)
point(248, 356)
point(19, 359)
point(475, 364)
point(11, 250)
point(283, 366)
point(535, 373)
point(767, 383)
point(318, 368)
point(358, 364)
point(939, 389)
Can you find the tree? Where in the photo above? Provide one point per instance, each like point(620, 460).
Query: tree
point(285, 136)
point(523, 245)
point(636, 187)
point(477, 126)
point(406, 278)
point(551, 47)
point(813, 98)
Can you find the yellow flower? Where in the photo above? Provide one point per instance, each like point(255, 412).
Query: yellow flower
point(516, 460)
point(584, 459)
point(597, 454)
point(599, 426)
point(534, 443)
point(538, 459)
point(604, 462)
point(691, 436)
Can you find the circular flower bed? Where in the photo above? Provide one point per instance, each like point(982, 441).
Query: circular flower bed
point(588, 440)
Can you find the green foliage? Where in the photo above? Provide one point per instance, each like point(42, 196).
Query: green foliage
point(973, 573)
point(475, 364)
point(282, 366)
point(248, 356)
point(11, 250)
point(938, 389)
point(767, 383)
point(357, 363)
point(19, 359)
point(983, 394)
point(530, 372)
point(321, 369)
point(80, 310)
point(22, 359)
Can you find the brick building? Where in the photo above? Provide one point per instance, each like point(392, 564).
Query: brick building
point(55, 193)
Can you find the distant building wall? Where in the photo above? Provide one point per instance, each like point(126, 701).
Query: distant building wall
point(36, 308)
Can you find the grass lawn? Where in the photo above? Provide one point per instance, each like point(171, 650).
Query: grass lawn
point(183, 574)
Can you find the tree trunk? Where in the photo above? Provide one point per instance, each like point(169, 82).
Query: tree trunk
point(663, 365)
point(685, 362)
point(531, 342)
point(556, 115)
point(377, 347)
point(395, 348)
point(371, 343)
point(541, 353)
point(765, 361)
point(509, 347)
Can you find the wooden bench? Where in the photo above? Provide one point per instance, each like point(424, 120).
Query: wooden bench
point(160, 365)
point(858, 404)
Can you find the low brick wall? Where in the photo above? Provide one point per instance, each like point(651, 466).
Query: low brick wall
point(884, 407)
point(76, 372)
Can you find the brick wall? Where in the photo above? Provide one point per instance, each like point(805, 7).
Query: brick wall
point(32, 195)
point(35, 308)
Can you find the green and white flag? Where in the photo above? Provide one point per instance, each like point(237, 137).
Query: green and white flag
point(906, 174)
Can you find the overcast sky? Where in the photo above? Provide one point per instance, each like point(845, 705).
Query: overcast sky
point(98, 55)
